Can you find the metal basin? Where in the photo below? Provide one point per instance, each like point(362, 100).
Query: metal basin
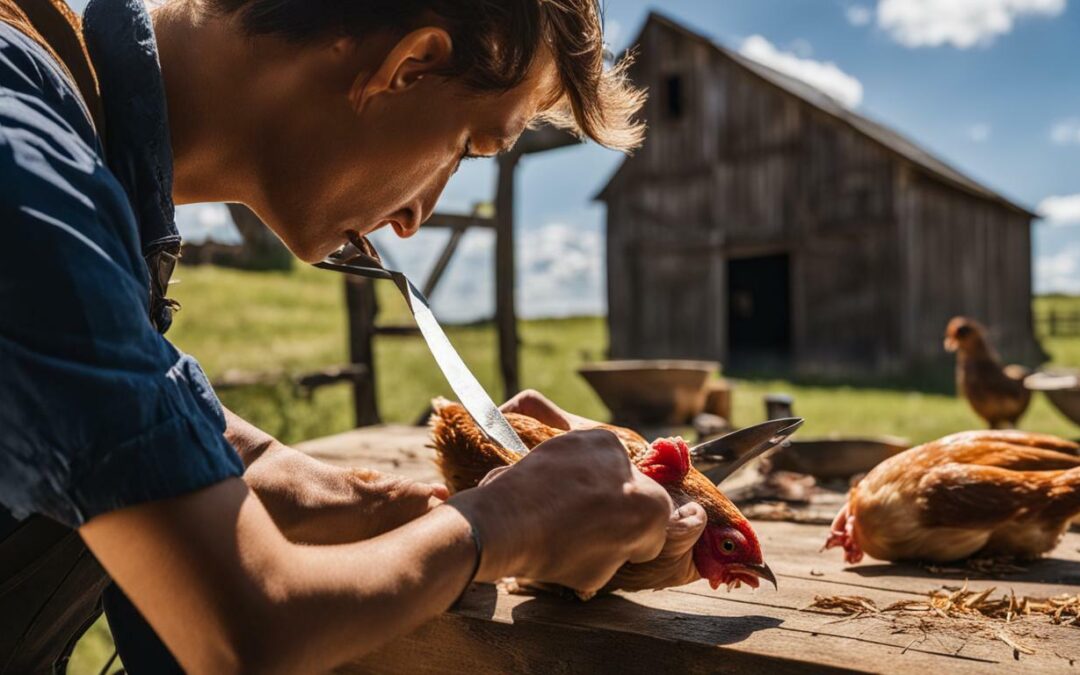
point(1062, 387)
point(828, 458)
point(661, 392)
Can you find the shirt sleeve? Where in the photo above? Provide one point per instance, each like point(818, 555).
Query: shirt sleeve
point(97, 410)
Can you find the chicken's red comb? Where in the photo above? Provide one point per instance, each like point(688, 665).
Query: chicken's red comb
point(667, 462)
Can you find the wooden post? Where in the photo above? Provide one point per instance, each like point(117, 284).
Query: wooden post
point(362, 307)
point(505, 311)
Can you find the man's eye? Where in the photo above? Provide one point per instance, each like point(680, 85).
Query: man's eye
point(466, 154)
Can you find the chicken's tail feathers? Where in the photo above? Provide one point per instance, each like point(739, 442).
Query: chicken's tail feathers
point(1065, 495)
point(463, 453)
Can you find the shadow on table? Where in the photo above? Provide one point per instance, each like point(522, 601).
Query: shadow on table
point(1045, 571)
point(621, 614)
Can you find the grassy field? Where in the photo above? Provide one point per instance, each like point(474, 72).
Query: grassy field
point(296, 321)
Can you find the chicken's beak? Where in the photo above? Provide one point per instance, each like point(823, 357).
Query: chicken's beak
point(761, 571)
point(951, 345)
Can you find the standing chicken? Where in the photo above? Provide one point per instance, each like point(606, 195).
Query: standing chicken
point(996, 392)
point(727, 553)
point(1004, 493)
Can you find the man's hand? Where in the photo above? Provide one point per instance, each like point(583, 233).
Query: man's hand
point(684, 528)
point(316, 503)
point(532, 403)
point(571, 512)
point(312, 502)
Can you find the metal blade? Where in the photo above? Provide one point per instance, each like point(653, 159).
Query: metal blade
point(735, 450)
point(470, 393)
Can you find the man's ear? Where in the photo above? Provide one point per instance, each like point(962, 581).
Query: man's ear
point(421, 52)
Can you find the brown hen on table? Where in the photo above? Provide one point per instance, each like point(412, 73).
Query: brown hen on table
point(727, 553)
point(993, 493)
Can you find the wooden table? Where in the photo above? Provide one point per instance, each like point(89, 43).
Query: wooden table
point(695, 629)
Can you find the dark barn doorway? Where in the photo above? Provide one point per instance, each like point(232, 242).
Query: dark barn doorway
point(759, 311)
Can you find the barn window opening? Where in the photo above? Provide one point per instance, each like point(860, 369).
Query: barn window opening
point(674, 97)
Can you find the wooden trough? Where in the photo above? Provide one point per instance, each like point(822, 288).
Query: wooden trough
point(651, 392)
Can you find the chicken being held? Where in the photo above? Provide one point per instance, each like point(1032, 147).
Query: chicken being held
point(994, 493)
point(996, 392)
point(727, 552)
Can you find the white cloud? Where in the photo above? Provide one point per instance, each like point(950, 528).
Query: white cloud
point(1066, 132)
point(825, 76)
point(960, 23)
point(199, 222)
point(979, 133)
point(859, 15)
point(560, 271)
point(1061, 210)
point(1059, 272)
point(801, 48)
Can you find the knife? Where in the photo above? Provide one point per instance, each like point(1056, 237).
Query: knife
point(360, 258)
point(721, 457)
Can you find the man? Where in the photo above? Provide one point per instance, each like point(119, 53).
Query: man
point(330, 119)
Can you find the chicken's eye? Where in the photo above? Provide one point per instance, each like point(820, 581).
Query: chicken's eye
point(728, 546)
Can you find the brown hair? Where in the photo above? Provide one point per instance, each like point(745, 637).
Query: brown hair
point(495, 43)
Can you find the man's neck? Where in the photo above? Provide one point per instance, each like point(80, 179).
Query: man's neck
point(203, 71)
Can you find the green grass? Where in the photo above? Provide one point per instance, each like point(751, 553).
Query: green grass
point(260, 321)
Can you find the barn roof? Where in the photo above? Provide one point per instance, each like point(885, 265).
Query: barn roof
point(889, 138)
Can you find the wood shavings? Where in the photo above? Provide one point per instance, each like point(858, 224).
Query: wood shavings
point(1062, 610)
point(846, 604)
point(966, 611)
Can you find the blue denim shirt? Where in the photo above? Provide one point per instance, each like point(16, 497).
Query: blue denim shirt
point(98, 411)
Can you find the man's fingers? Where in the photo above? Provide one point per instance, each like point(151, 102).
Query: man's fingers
point(537, 406)
point(493, 475)
point(684, 529)
point(439, 491)
point(655, 509)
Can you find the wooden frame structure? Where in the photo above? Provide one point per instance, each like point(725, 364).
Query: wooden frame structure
point(363, 308)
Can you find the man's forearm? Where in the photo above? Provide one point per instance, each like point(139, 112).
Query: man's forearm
point(264, 604)
point(250, 442)
point(312, 502)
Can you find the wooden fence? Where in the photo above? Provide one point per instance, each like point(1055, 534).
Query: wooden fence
point(1057, 323)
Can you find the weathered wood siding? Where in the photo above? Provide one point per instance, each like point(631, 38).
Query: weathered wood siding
point(964, 256)
point(749, 169)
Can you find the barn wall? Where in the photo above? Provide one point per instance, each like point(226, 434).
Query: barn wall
point(970, 257)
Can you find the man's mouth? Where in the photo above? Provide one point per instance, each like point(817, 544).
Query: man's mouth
point(734, 576)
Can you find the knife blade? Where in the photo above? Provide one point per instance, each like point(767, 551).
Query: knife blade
point(721, 457)
point(360, 258)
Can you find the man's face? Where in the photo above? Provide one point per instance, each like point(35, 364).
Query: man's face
point(377, 150)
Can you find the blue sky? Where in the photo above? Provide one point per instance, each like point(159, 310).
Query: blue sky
point(989, 85)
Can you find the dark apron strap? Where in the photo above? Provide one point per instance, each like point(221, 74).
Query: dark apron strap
point(53, 25)
point(50, 593)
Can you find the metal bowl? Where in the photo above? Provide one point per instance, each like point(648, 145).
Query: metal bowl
point(828, 458)
point(1062, 387)
point(660, 392)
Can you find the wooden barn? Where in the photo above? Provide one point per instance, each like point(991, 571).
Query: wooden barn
point(764, 221)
